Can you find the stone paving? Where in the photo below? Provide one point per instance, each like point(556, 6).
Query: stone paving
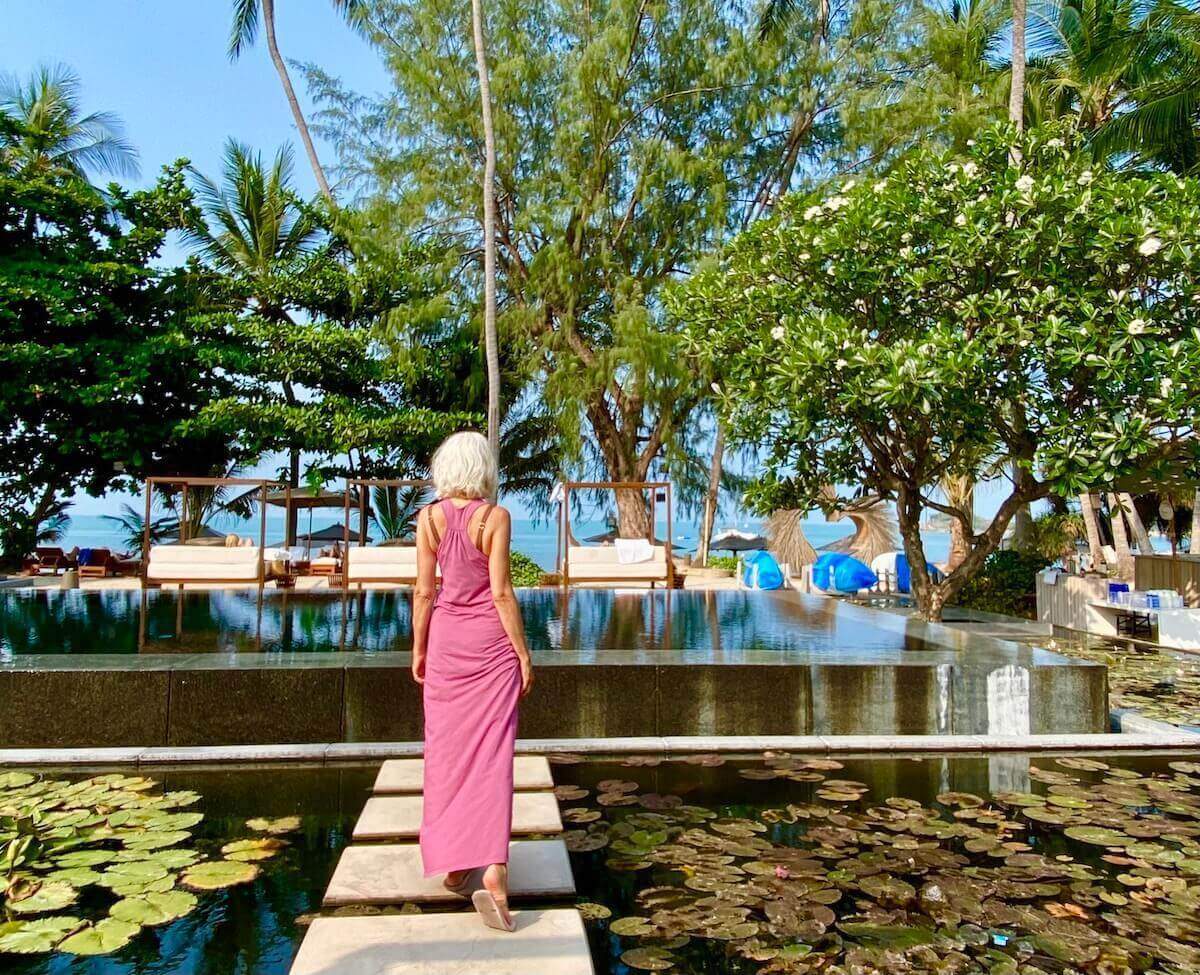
point(550, 942)
point(408, 775)
point(399, 817)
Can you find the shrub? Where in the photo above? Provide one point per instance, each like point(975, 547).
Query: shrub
point(525, 572)
point(727, 562)
point(1005, 584)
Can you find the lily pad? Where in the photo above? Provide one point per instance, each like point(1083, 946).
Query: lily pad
point(648, 959)
point(216, 874)
point(101, 938)
point(247, 850)
point(38, 936)
point(52, 896)
point(152, 909)
point(276, 827)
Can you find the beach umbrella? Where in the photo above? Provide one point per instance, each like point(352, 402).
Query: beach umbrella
point(333, 533)
point(607, 538)
point(732, 540)
point(308, 499)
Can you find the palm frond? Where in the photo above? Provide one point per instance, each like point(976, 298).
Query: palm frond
point(244, 31)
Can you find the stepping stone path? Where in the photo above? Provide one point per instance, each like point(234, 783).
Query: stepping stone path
point(548, 942)
point(407, 775)
point(399, 817)
point(392, 874)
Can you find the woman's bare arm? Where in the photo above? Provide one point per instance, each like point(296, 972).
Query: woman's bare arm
point(424, 593)
point(499, 536)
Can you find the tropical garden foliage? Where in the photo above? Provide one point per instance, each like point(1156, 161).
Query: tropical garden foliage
point(892, 331)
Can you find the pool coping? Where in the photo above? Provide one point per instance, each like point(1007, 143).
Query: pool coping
point(333, 752)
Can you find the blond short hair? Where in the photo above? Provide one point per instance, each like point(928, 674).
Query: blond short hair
point(464, 467)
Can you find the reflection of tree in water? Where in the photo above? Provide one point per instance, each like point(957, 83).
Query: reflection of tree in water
point(67, 621)
point(378, 620)
point(540, 611)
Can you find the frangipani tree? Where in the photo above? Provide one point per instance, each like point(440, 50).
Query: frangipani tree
point(894, 331)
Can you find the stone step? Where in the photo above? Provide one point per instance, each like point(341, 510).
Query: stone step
point(405, 775)
point(392, 874)
point(550, 942)
point(399, 817)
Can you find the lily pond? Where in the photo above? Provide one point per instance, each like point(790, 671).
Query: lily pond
point(775, 864)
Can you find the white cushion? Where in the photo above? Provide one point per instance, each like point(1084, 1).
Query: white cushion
point(600, 562)
point(382, 562)
point(201, 562)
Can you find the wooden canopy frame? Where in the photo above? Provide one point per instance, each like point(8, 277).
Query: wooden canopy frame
point(184, 483)
point(363, 486)
point(564, 519)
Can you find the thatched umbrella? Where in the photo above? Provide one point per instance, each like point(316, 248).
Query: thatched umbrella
point(786, 539)
point(874, 530)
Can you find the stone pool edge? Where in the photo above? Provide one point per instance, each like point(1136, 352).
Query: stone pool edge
point(334, 752)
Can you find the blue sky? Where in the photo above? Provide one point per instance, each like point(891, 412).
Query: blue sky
point(161, 66)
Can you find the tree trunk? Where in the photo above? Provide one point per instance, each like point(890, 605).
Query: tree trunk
point(960, 493)
point(268, 9)
point(1194, 540)
point(1088, 505)
point(293, 515)
point(1016, 93)
point(491, 340)
point(712, 496)
point(1141, 538)
point(1022, 533)
point(633, 513)
point(1120, 539)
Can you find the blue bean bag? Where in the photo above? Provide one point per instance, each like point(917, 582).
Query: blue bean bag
point(761, 571)
point(904, 573)
point(839, 572)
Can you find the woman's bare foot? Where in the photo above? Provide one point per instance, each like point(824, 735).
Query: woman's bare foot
point(456, 881)
point(492, 901)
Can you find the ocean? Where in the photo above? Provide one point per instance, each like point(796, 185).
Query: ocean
point(538, 540)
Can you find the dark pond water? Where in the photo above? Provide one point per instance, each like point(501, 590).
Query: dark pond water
point(249, 928)
point(998, 864)
point(709, 623)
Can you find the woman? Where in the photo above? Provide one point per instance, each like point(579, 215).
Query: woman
point(469, 654)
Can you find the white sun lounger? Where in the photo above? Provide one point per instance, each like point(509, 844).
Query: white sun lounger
point(600, 563)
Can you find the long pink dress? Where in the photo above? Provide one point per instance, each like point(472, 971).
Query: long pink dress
point(472, 686)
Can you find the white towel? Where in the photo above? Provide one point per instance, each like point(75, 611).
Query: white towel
point(631, 550)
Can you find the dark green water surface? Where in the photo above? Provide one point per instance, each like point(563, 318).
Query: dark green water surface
point(1000, 864)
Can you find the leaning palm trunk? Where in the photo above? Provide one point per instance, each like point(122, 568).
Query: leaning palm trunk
point(1141, 538)
point(712, 495)
point(1088, 505)
point(268, 8)
point(1194, 541)
point(786, 538)
point(491, 340)
point(1120, 539)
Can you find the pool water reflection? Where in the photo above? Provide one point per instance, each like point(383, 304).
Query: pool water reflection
point(274, 621)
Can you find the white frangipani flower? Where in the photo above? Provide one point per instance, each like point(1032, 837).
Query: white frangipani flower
point(1025, 184)
point(1150, 246)
point(777, 333)
point(813, 211)
point(1085, 177)
point(880, 186)
point(1136, 326)
point(960, 220)
point(1165, 385)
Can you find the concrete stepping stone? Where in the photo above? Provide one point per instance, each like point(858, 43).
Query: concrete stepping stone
point(392, 874)
point(405, 775)
point(399, 817)
point(550, 942)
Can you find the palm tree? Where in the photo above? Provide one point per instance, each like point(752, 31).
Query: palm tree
point(55, 522)
point(1016, 91)
point(491, 340)
point(394, 510)
point(246, 17)
point(255, 225)
point(51, 132)
point(131, 523)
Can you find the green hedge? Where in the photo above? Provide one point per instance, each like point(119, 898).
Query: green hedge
point(1005, 584)
point(525, 572)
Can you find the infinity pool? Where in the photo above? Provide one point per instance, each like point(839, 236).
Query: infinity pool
point(707, 623)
